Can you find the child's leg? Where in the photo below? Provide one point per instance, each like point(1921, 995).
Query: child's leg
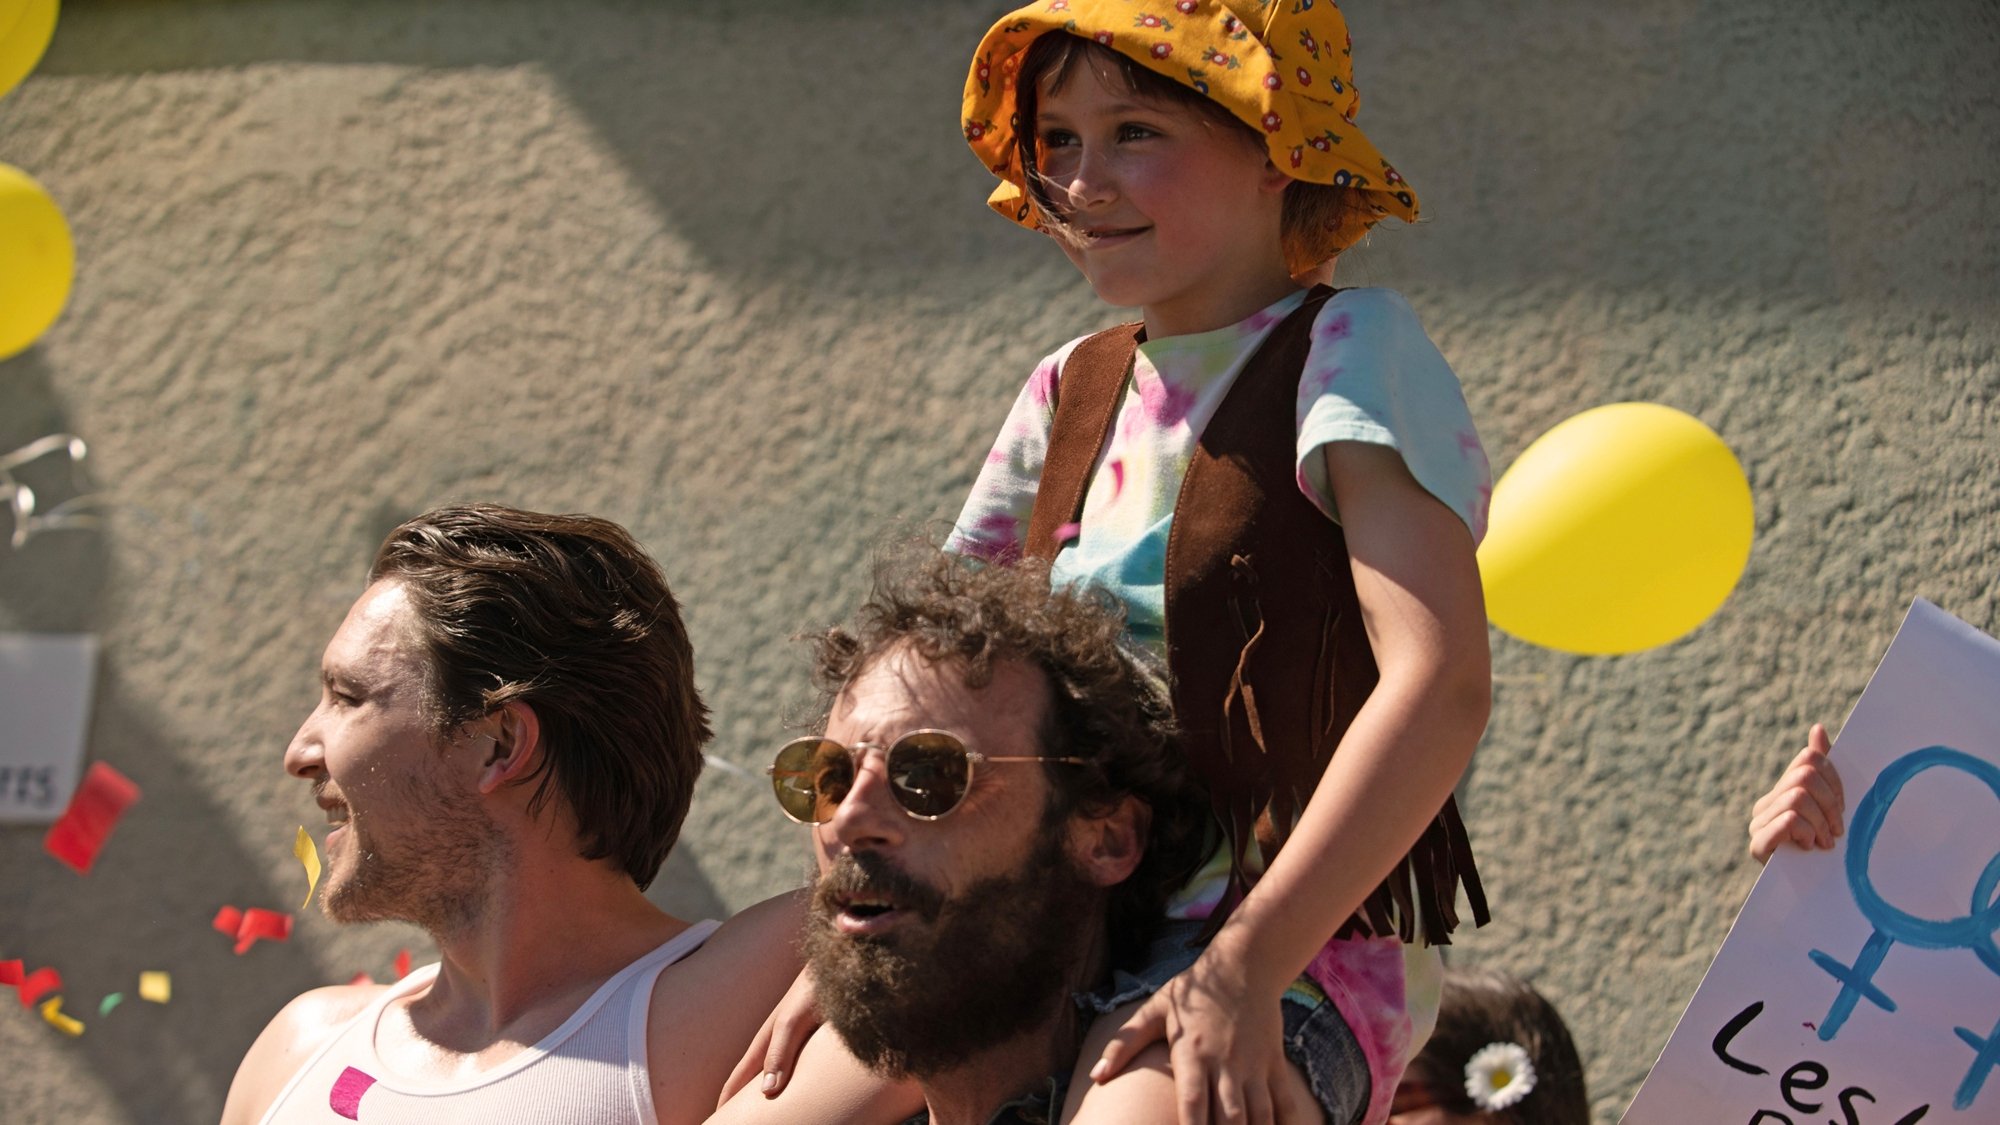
point(1326, 1055)
point(1143, 1091)
point(1317, 1042)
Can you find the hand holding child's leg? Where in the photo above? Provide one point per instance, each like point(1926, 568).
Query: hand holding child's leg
point(1805, 805)
point(1224, 1039)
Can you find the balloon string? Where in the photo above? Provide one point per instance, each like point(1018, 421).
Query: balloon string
point(729, 768)
point(77, 512)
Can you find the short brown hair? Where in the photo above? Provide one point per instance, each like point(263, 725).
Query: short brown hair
point(1313, 213)
point(569, 615)
point(1108, 704)
point(1481, 1007)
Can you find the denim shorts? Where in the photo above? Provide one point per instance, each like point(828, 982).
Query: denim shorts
point(1317, 1039)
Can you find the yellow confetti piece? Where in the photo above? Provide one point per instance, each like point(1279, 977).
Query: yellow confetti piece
point(52, 1012)
point(303, 847)
point(155, 986)
point(105, 1005)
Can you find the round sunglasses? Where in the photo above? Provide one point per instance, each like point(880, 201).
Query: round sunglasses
point(930, 772)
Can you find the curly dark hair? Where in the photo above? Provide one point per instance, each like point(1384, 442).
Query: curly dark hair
point(1108, 703)
point(1482, 1007)
point(569, 615)
point(1312, 214)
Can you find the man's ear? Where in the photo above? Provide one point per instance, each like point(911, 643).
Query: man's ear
point(1107, 848)
point(509, 744)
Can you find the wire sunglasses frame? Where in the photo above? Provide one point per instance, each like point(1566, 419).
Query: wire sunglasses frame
point(794, 782)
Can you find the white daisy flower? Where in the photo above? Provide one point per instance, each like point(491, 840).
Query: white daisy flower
point(1498, 1076)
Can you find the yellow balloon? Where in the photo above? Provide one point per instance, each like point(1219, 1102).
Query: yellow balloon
point(1620, 529)
point(25, 29)
point(37, 261)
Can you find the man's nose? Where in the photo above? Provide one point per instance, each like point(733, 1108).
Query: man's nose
point(868, 817)
point(304, 757)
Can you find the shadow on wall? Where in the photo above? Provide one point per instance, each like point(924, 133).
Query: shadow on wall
point(1838, 151)
point(53, 584)
point(1867, 178)
point(57, 582)
point(161, 1063)
point(832, 152)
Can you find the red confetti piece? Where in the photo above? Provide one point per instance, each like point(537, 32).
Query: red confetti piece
point(38, 984)
point(402, 963)
point(246, 926)
point(11, 972)
point(261, 923)
point(345, 1097)
point(361, 978)
point(93, 812)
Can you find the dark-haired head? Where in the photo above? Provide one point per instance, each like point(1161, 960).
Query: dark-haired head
point(568, 615)
point(1480, 1008)
point(1108, 705)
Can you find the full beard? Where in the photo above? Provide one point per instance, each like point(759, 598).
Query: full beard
point(978, 969)
point(434, 875)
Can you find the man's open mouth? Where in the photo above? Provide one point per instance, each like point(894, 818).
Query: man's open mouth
point(866, 914)
point(865, 896)
point(337, 811)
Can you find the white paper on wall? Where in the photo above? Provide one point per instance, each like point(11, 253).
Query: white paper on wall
point(45, 686)
point(1862, 984)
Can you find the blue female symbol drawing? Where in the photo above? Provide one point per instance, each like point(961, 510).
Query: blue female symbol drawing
point(1973, 931)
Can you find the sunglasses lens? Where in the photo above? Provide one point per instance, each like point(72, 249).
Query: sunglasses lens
point(810, 776)
point(929, 772)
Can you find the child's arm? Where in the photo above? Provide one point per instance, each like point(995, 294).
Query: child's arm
point(1418, 583)
point(1804, 807)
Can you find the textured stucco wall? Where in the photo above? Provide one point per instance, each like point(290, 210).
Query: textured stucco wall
point(722, 272)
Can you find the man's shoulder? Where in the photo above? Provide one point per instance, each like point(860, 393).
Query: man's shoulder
point(757, 942)
point(292, 1037)
point(706, 1007)
point(323, 1010)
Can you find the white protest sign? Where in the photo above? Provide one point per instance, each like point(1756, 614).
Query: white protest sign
point(1862, 985)
point(45, 682)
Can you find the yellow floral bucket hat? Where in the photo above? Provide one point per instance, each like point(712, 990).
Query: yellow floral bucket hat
point(1282, 67)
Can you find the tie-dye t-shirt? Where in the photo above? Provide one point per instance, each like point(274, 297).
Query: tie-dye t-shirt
point(1371, 375)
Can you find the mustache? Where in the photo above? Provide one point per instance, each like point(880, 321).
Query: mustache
point(866, 874)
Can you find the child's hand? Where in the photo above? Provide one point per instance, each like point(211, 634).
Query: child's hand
point(1225, 1037)
point(1804, 806)
point(775, 1050)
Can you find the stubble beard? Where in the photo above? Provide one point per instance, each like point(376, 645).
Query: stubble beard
point(434, 876)
point(977, 970)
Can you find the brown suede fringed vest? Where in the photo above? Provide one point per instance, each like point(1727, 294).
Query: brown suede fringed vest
point(1264, 634)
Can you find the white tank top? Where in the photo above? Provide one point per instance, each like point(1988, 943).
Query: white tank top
point(590, 1071)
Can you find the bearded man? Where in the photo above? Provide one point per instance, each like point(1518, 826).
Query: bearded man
point(998, 813)
point(506, 743)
